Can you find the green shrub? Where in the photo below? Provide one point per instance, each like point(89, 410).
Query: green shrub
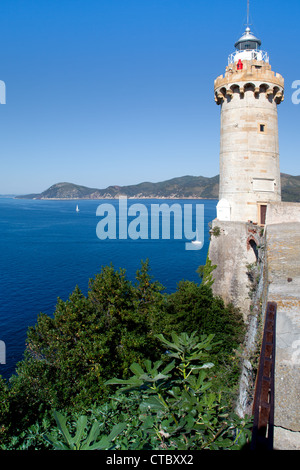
point(70, 356)
point(177, 409)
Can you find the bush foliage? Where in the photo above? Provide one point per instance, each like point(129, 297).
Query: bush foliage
point(71, 356)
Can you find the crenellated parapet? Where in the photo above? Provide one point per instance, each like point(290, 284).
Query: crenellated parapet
point(254, 75)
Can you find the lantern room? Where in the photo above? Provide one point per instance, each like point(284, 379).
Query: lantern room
point(247, 41)
point(248, 48)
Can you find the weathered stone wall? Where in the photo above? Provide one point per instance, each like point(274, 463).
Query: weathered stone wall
point(283, 261)
point(232, 252)
point(283, 212)
point(240, 272)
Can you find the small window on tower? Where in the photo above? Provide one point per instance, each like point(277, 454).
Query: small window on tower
point(262, 128)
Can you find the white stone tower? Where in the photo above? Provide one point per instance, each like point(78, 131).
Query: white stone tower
point(248, 94)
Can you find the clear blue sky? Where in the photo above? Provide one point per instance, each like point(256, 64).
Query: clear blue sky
point(103, 92)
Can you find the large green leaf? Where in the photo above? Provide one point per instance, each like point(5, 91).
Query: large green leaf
point(154, 404)
point(80, 428)
point(137, 369)
point(61, 423)
point(116, 430)
point(78, 442)
point(92, 437)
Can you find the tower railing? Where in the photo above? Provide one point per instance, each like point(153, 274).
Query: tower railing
point(263, 406)
point(253, 54)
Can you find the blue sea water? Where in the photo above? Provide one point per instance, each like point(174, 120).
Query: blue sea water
point(47, 249)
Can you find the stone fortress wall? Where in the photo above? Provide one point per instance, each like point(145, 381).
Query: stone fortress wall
point(233, 251)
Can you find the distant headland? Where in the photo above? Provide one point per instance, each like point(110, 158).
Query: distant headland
point(184, 187)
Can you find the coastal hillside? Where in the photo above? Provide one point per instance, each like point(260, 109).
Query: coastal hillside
point(177, 188)
point(182, 187)
point(290, 188)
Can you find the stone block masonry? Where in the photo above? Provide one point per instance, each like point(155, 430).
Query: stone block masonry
point(233, 251)
point(283, 264)
point(249, 146)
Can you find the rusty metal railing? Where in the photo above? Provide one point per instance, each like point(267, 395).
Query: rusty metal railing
point(263, 405)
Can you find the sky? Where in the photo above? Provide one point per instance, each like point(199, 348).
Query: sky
point(117, 92)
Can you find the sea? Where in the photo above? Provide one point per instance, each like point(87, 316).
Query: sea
point(47, 249)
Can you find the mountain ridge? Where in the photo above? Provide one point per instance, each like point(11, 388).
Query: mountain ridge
point(182, 187)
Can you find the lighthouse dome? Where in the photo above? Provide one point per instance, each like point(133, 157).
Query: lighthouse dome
point(247, 41)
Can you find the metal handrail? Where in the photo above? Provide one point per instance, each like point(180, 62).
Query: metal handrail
point(263, 406)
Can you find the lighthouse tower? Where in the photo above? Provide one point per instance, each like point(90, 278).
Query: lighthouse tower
point(248, 95)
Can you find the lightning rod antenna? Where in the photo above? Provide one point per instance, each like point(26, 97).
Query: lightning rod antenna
point(248, 11)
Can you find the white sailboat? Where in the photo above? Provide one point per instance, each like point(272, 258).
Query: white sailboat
point(77, 208)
